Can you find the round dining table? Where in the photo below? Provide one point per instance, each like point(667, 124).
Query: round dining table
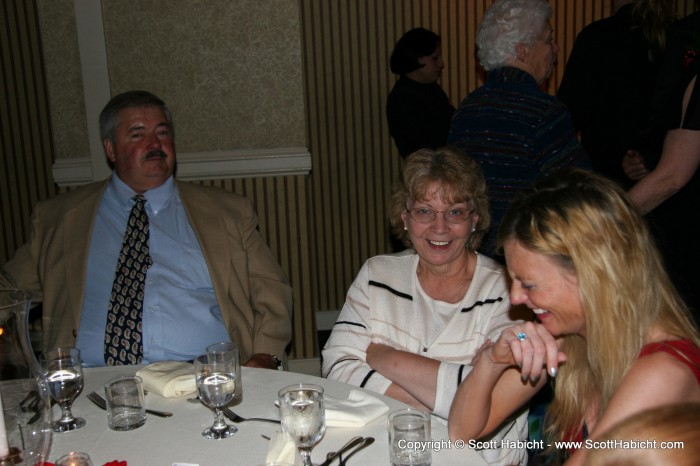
point(178, 440)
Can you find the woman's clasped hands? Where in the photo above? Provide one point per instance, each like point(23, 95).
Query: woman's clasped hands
point(528, 346)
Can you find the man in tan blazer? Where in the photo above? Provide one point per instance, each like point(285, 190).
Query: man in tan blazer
point(221, 281)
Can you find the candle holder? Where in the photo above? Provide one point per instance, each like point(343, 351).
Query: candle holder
point(14, 456)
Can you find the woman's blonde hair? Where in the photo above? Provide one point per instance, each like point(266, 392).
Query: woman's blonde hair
point(654, 17)
point(459, 179)
point(670, 423)
point(588, 225)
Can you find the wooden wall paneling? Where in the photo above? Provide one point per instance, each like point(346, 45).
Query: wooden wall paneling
point(324, 152)
point(357, 153)
point(26, 151)
point(300, 268)
point(346, 72)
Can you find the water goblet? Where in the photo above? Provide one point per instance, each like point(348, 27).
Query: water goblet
point(216, 385)
point(222, 350)
point(303, 416)
point(63, 375)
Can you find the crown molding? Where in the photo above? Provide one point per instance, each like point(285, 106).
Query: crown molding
point(219, 165)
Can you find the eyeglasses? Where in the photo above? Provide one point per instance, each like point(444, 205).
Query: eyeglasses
point(425, 215)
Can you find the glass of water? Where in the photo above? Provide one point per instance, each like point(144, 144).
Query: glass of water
point(409, 432)
point(221, 350)
point(303, 416)
point(216, 385)
point(63, 374)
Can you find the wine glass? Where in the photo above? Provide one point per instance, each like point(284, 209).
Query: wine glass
point(216, 385)
point(303, 416)
point(63, 375)
point(221, 350)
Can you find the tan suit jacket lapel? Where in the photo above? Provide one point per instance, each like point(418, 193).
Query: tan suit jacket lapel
point(209, 225)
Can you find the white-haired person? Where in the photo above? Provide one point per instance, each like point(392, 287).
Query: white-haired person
point(611, 330)
point(516, 132)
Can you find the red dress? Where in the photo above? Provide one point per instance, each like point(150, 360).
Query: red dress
point(684, 350)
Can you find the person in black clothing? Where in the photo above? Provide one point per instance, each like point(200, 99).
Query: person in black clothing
point(418, 110)
point(610, 77)
point(669, 194)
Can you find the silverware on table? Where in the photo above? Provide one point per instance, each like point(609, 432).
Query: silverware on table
point(102, 403)
point(367, 441)
point(233, 417)
point(331, 456)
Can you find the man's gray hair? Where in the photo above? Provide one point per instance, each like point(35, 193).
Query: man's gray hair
point(109, 117)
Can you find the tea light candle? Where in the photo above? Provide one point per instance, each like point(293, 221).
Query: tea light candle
point(4, 448)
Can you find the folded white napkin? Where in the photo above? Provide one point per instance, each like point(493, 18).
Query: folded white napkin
point(283, 450)
point(359, 409)
point(169, 378)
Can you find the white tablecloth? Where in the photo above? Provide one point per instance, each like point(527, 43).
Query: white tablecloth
point(178, 439)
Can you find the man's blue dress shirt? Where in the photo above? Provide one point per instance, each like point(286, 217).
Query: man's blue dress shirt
point(181, 316)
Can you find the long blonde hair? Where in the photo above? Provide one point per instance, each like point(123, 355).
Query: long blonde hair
point(654, 17)
point(591, 229)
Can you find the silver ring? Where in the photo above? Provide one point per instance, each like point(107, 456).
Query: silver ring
point(521, 336)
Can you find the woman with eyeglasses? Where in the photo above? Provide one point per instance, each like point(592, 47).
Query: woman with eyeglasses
point(413, 321)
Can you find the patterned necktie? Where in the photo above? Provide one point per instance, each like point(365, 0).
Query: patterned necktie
point(123, 344)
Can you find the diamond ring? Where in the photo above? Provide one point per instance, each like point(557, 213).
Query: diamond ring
point(521, 336)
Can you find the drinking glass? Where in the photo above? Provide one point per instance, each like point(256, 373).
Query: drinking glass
point(303, 416)
point(63, 375)
point(221, 350)
point(409, 429)
point(216, 385)
point(126, 409)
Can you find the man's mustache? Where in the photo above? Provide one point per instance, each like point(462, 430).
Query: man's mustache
point(156, 153)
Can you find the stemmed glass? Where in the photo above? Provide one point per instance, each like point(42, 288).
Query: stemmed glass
point(303, 416)
point(63, 375)
point(222, 350)
point(216, 385)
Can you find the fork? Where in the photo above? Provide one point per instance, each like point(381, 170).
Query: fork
point(99, 401)
point(233, 417)
point(367, 441)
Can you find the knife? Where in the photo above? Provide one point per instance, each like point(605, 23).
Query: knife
point(334, 454)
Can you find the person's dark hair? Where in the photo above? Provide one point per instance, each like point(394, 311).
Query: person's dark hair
point(109, 117)
point(413, 44)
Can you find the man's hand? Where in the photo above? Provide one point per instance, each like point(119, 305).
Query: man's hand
point(633, 165)
point(262, 360)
